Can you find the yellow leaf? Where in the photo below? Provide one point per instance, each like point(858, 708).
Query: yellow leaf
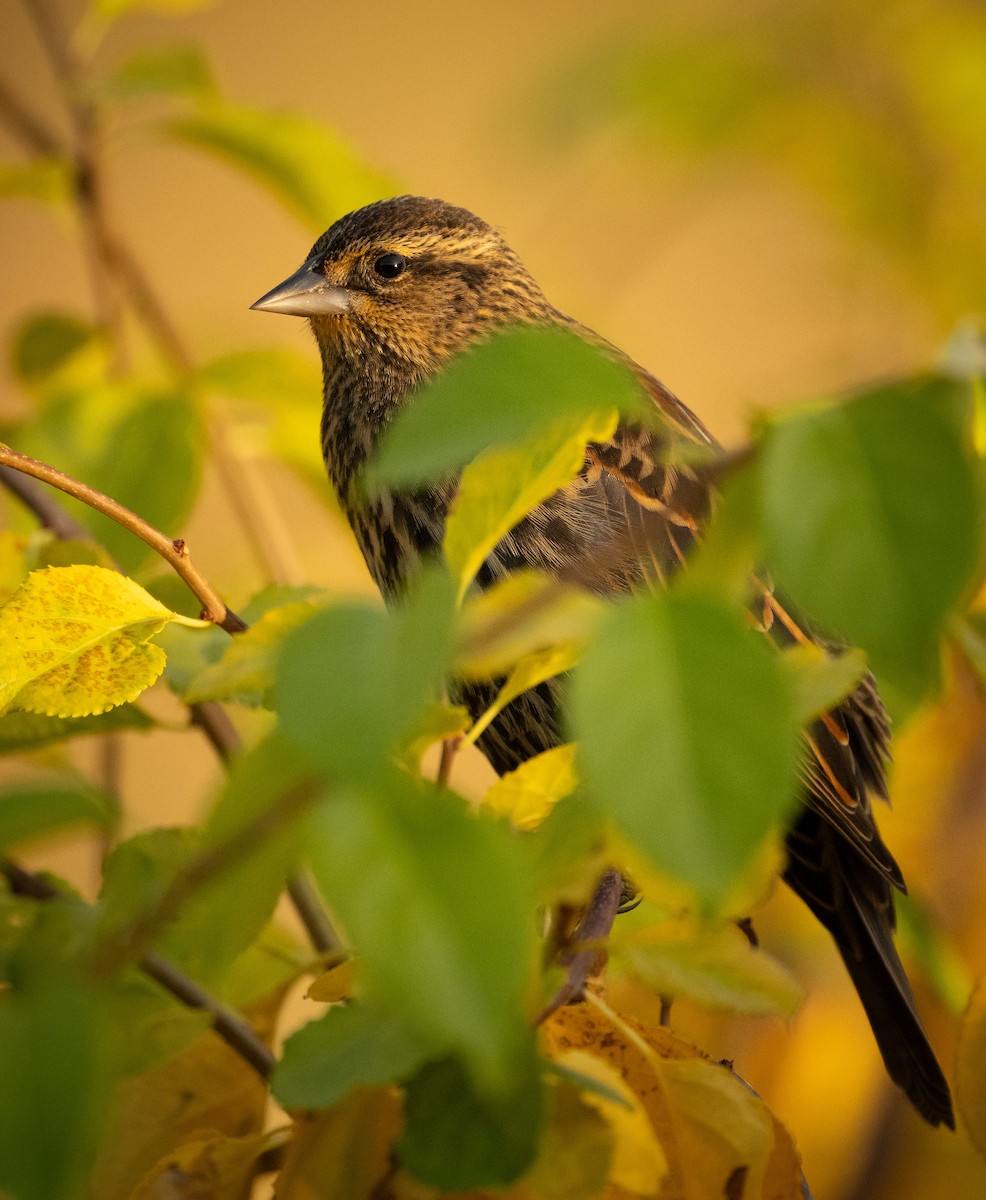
point(501, 487)
point(75, 642)
point(206, 1086)
point(558, 1173)
point(529, 793)
point(517, 615)
point(12, 551)
point(343, 1154)
point(212, 1165)
point(334, 985)
point(719, 1137)
point(437, 722)
point(639, 1163)
point(970, 1077)
point(245, 672)
point(532, 669)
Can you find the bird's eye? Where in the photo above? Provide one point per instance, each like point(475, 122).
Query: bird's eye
point(389, 266)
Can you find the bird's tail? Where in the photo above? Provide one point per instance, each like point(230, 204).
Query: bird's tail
point(857, 910)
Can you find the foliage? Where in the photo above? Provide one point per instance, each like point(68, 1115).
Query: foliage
point(424, 1069)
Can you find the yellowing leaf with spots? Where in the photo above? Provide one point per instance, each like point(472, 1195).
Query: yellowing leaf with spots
point(529, 793)
point(74, 642)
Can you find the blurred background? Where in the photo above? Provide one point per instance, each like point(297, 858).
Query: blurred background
point(761, 202)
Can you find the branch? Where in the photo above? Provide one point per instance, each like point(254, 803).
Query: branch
point(200, 871)
point(28, 126)
point(229, 1025)
point(174, 552)
point(48, 511)
point(592, 932)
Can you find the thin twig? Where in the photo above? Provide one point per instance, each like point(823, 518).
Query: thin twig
point(450, 747)
point(592, 933)
point(201, 870)
point(229, 1025)
point(27, 125)
point(39, 501)
point(309, 907)
point(214, 722)
point(174, 552)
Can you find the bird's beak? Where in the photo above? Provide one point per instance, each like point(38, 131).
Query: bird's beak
point(306, 293)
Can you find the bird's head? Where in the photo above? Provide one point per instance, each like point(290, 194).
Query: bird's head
point(398, 287)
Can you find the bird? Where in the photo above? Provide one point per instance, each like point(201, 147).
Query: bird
point(393, 292)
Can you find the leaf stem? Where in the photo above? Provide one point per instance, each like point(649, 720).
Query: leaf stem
point(174, 552)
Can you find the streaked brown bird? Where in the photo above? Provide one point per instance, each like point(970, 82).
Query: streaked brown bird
point(393, 292)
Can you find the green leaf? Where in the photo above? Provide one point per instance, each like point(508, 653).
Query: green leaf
point(505, 391)
point(712, 966)
point(502, 486)
point(820, 679)
point(302, 162)
point(532, 669)
point(350, 1046)
point(871, 521)
point(245, 673)
point(224, 916)
point(142, 447)
point(45, 343)
point(28, 731)
point(412, 876)
point(458, 1139)
point(54, 1083)
point(689, 739)
point(36, 809)
point(138, 870)
point(354, 679)
point(166, 71)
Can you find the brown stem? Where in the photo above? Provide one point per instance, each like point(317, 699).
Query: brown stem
point(48, 511)
point(592, 932)
point(229, 1025)
point(172, 551)
point(309, 907)
point(450, 747)
point(198, 872)
point(27, 125)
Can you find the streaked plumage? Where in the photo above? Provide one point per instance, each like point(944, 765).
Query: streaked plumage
point(393, 291)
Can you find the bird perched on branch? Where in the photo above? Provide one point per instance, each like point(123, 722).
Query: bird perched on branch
point(393, 291)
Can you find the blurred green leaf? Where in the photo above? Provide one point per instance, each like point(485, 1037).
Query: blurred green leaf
point(47, 179)
point(355, 1045)
point(820, 679)
point(505, 391)
point(279, 376)
point(33, 810)
point(673, 749)
point(302, 162)
point(170, 71)
point(354, 679)
point(880, 490)
point(142, 447)
point(458, 1139)
point(501, 487)
point(45, 343)
point(29, 731)
point(55, 1072)
point(224, 916)
point(245, 673)
point(137, 871)
point(716, 967)
point(413, 877)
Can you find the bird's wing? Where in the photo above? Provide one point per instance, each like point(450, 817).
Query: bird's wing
point(666, 500)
